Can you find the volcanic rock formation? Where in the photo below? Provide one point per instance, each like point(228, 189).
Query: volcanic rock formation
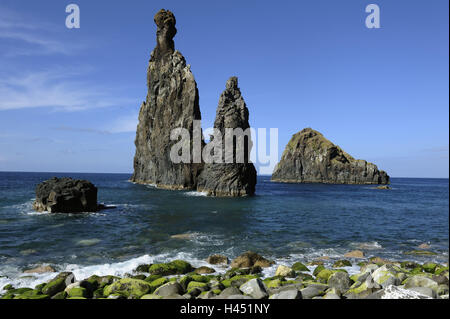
point(66, 195)
point(310, 158)
point(235, 176)
point(172, 102)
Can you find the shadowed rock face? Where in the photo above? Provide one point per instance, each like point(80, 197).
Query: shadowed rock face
point(310, 158)
point(172, 102)
point(230, 178)
point(66, 195)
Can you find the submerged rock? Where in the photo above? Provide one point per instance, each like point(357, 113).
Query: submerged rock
point(310, 158)
point(172, 102)
point(66, 195)
point(234, 175)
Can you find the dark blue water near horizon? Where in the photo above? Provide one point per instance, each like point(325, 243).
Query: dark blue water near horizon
point(286, 222)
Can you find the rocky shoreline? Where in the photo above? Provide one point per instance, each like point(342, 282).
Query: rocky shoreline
point(318, 279)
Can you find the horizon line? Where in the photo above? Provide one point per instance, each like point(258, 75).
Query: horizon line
point(44, 172)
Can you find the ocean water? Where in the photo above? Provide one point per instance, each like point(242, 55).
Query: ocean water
point(285, 222)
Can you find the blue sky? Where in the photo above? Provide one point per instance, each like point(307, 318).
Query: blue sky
point(69, 99)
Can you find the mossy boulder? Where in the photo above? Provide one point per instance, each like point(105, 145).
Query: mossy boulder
point(303, 277)
point(298, 266)
point(77, 292)
point(8, 287)
point(429, 267)
point(152, 278)
point(237, 281)
point(200, 278)
point(31, 294)
point(196, 284)
point(176, 267)
point(273, 283)
point(318, 269)
point(386, 276)
point(442, 271)
point(324, 275)
point(157, 283)
point(342, 263)
point(142, 268)
point(62, 295)
point(128, 287)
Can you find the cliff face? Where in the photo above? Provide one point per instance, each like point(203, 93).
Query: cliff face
point(172, 102)
point(310, 158)
point(235, 176)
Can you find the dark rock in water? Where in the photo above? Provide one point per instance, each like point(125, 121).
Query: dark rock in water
point(236, 175)
point(66, 195)
point(310, 158)
point(250, 259)
point(172, 102)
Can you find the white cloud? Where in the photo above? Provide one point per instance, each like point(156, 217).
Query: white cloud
point(59, 88)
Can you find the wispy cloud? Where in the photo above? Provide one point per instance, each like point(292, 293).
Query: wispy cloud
point(123, 124)
point(80, 130)
point(59, 88)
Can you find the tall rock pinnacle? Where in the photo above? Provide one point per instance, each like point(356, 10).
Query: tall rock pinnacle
point(172, 102)
point(235, 176)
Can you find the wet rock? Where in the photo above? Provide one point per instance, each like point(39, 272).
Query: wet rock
point(250, 259)
point(204, 270)
point(217, 260)
point(66, 195)
point(310, 158)
point(40, 270)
